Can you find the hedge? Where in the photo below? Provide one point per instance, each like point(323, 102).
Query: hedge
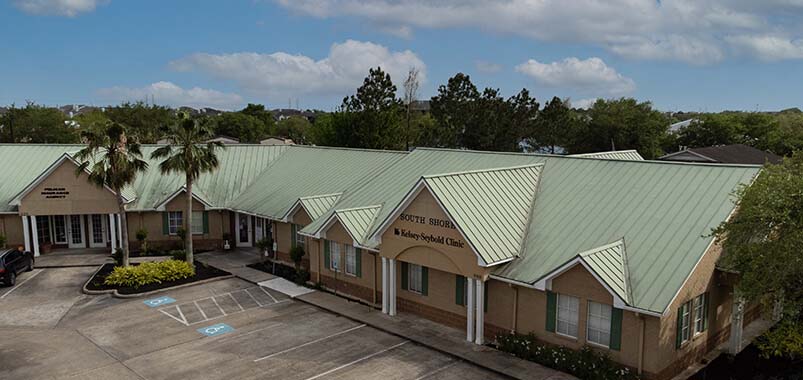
point(149, 273)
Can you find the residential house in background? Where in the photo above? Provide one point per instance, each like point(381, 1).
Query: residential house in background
point(724, 154)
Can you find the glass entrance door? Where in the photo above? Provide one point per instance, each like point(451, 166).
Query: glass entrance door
point(75, 224)
point(243, 230)
point(97, 230)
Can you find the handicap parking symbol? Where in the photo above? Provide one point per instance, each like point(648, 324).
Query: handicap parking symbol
point(217, 329)
point(164, 300)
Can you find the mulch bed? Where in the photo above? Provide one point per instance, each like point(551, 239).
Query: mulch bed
point(202, 272)
point(282, 270)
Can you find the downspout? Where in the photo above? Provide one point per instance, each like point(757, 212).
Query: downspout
point(515, 308)
point(641, 344)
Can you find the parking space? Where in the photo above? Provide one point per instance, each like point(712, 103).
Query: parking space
point(227, 329)
point(42, 297)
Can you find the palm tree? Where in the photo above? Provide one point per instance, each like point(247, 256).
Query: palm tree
point(114, 162)
point(188, 152)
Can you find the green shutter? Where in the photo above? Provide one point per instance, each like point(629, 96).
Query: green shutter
point(616, 329)
point(705, 311)
point(404, 276)
point(326, 258)
point(459, 290)
point(292, 235)
point(678, 332)
point(206, 222)
point(165, 224)
point(358, 261)
point(424, 280)
point(551, 310)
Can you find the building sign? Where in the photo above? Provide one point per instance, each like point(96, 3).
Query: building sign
point(435, 222)
point(55, 193)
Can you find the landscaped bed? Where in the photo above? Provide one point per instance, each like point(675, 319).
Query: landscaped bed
point(282, 270)
point(202, 272)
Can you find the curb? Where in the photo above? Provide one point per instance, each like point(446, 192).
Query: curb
point(115, 294)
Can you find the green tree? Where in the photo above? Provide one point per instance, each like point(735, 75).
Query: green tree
point(294, 127)
point(787, 137)
point(454, 111)
point(247, 128)
point(258, 111)
point(36, 124)
point(187, 152)
point(762, 243)
point(552, 127)
point(618, 124)
point(112, 161)
point(322, 131)
point(93, 119)
point(145, 122)
point(374, 115)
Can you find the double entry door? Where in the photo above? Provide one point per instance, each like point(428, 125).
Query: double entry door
point(78, 226)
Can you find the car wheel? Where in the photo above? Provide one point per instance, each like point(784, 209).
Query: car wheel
point(12, 279)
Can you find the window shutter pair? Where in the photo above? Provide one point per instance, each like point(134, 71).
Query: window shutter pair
point(460, 290)
point(358, 261)
point(551, 311)
point(165, 223)
point(404, 271)
point(616, 329)
point(326, 257)
point(292, 235)
point(206, 222)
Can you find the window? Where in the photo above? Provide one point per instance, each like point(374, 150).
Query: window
point(59, 229)
point(415, 279)
point(599, 324)
point(43, 229)
point(685, 321)
point(351, 260)
point(174, 222)
point(299, 238)
point(334, 256)
point(700, 309)
point(197, 222)
point(568, 314)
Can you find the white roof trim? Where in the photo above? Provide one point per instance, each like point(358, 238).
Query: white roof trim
point(50, 169)
point(670, 155)
point(183, 189)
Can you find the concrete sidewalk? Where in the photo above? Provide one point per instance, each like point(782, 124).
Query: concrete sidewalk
point(235, 262)
point(435, 336)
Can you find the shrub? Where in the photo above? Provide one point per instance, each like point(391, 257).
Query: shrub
point(149, 273)
point(142, 236)
point(179, 254)
point(118, 257)
point(182, 234)
point(586, 363)
point(296, 254)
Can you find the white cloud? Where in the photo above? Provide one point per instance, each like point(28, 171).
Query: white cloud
point(591, 75)
point(402, 31)
point(768, 47)
point(169, 93)
point(281, 74)
point(691, 31)
point(68, 8)
point(488, 67)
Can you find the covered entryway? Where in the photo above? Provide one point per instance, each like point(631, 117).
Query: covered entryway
point(60, 210)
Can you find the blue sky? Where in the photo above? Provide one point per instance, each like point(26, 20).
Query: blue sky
point(693, 55)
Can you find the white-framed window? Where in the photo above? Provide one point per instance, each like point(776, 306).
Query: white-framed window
point(699, 313)
point(568, 315)
point(334, 256)
point(197, 222)
point(415, 280)
point(599, 323)
point(174, 222)
point(300, 240)
point(685, 321)
point(351, 259)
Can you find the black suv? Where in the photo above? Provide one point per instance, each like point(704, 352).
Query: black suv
point(12, 262)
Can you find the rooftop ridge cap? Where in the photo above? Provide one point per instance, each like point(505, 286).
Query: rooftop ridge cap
point(475, 171)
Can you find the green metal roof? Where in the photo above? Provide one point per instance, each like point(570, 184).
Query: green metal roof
point(22, 164)
point(317, 205)
point(664, 212)
point(632, 155)
point(490, 207)
point(357, 220)
point(304, 171)
point(609, 263)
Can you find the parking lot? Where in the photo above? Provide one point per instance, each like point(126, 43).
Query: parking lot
point(228, 329)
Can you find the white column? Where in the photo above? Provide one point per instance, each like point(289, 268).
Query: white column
point(469, 309)
point(478, 339)
point(385, 281)
point(119, 230)
point(737, 325)
point(26, 233)
point(35, 235)
point(112, 233)
point(392, 287)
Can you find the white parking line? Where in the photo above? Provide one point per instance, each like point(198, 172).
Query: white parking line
point(218, 306)
point(269, 295)
point(430, 373)
point(308, 343)
point(235, 301)
point(252, 297)
point(169, 315)
point(20, 284)
point(201, 310)
point(358, 360)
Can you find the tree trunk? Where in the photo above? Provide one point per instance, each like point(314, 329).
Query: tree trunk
point(188, 222)
point(123, 228)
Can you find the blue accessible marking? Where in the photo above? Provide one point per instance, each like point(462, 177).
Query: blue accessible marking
point(217, 329)
point(164, 300)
